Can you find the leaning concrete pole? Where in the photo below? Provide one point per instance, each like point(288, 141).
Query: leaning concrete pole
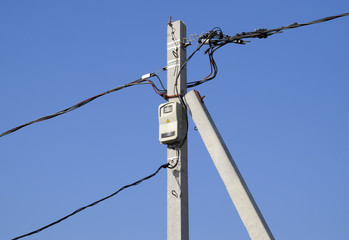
point(242, 198)
point(177, 178)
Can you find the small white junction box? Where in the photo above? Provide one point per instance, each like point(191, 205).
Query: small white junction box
point(171, 123)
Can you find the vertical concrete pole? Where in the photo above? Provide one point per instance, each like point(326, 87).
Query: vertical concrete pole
point(177, 178)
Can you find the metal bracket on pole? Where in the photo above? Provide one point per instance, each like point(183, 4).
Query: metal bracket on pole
point(247, 208)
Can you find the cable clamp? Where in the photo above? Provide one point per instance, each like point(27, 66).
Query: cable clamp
point(171, 162)
point(166, 97)
point(148, 75)
point(199, 96)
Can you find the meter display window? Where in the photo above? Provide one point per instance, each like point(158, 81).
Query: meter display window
point(168, 109)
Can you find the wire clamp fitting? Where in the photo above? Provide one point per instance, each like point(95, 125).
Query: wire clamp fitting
point(148, 75)
point(172, 163)
point(199, 96)
point(166, 97)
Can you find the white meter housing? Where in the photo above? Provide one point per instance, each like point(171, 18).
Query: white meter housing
point(171, 123)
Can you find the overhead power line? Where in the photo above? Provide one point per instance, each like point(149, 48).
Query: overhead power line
point(219, 39)
point(214, 38)
point(84, 102)
point(167, 165)
point(264, 33)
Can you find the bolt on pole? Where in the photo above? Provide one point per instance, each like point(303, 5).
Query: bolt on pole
point(177, 178)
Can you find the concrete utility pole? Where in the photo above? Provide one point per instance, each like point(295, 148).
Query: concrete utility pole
point(177, 178)
point(242, 198)
point(172, 131)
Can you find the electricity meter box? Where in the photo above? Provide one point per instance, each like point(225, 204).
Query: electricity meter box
point(172, 127)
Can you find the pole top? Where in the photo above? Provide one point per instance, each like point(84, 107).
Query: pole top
point(170, 22)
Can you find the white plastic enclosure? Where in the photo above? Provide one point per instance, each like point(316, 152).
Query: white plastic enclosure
point(171, 127)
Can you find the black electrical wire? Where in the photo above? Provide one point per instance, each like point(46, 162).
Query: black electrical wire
point(210, 35)
point(207, 38)
point(216, 39)
point(167, 165)
point(264, 33)
point(177, 94)
point(84, 102)
point(214, 70)
point(181, 143)
point(162, 85)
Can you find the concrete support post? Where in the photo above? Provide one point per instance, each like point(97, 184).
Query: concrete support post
point(177, 178)
point(247, 208)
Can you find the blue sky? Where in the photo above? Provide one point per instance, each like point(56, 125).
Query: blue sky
point(281, 105)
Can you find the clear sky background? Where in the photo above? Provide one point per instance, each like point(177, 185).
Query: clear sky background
point(281, 105)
